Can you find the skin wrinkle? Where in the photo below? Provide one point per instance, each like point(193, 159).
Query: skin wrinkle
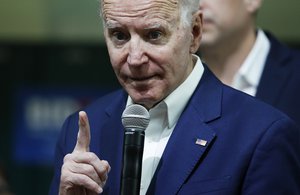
point(111, 24)
point(162, 10)
point(149, 68)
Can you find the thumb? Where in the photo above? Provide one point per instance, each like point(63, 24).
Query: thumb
point(84, 135)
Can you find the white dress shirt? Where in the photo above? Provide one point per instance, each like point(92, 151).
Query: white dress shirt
point(163, 118)
point(249, 74)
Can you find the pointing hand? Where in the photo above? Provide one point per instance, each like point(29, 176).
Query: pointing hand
point(82, 171)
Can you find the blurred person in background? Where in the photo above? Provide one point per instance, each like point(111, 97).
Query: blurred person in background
point(247, 58)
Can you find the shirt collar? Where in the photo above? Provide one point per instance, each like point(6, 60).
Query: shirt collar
point(177, 100)
point(251, 69)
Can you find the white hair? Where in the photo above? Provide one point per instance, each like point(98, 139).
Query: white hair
point(187, 9)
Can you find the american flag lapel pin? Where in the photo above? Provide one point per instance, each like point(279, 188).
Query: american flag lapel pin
point(201, 142)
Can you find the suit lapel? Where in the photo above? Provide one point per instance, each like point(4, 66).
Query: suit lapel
point(275, 73)
point(190, 139)
point(111, 142)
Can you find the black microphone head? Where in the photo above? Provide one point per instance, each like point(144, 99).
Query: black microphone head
point(135, 117)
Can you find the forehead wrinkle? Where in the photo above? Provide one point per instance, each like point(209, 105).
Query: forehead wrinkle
point(163, 9)
point(148, 26)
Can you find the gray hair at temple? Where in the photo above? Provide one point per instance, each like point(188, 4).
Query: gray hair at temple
point(188, 8)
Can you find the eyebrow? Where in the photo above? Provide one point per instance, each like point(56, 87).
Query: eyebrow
point(152, 26)
point(112, 25)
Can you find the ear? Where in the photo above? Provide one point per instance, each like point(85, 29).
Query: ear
point(197, 26)
point(253, 5)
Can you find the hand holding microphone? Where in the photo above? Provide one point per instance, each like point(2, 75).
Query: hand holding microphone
point(82, 171)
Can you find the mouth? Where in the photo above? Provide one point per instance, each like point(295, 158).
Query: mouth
point(142, 83)
point(208, 17)
point(207, 21)
point(141, 78)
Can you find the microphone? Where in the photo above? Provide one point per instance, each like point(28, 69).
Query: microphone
point(135, 120)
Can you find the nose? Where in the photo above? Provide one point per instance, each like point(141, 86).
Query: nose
point(202, 4)
point(136, 55)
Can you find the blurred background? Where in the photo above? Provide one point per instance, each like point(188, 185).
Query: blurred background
point(53, 62)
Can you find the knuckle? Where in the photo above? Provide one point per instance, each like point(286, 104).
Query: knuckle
point(105, 163)
point(105, 166)
point(91, 157)
point(67, 158)
point(89, 170)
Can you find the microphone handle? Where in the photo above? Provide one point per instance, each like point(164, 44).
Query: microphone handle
point(132, 162)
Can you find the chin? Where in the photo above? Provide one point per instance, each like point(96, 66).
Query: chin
point(144, 99)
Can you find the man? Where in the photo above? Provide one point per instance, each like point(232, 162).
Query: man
point(203, 137)
point(247, 58)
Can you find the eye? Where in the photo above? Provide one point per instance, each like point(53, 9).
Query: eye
point(154, 35)
point(119, 36)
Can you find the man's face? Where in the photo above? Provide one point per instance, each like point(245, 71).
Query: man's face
point(149, 49)
point(223, 20)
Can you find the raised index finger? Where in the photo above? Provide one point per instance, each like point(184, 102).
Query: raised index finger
point(84, 134)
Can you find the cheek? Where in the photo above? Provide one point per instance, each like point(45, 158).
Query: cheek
point(179, 54)
point(114, 62)
point(114, 53)
point(228, 15)
point(116, 59)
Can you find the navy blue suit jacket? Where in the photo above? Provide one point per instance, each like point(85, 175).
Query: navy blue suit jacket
point(280, 81)
point(251, 147)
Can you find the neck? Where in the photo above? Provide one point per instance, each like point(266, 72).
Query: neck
point(225, 58)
